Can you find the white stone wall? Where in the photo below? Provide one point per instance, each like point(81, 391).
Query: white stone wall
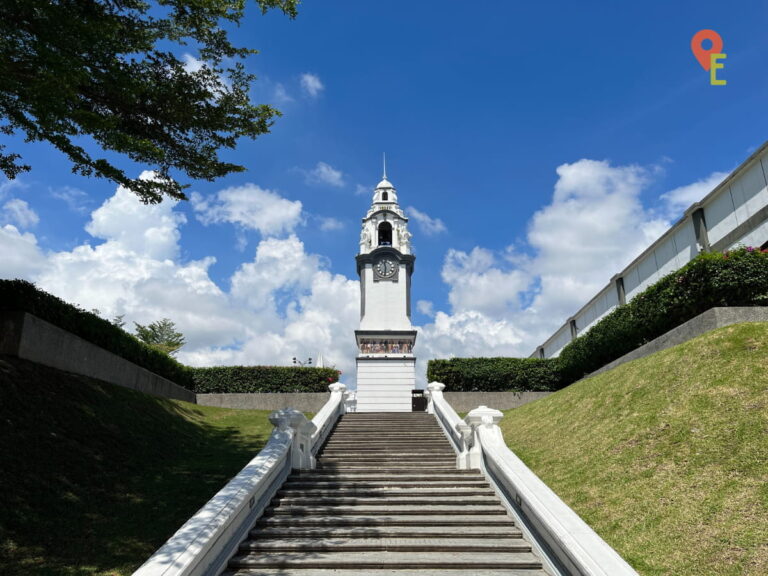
point(385, 302)
point(385, 385)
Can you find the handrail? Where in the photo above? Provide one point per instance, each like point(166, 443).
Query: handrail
point(204, 544)
point(457, 430)
point(329, 414)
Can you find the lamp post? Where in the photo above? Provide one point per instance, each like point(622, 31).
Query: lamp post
point(300, 363)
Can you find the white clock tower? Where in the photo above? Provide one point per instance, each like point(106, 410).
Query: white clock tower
point(386, 366)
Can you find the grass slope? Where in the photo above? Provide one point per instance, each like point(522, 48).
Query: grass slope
point(665, 457)
point(95, 477)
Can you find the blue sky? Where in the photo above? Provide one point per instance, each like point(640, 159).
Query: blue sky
point(542, 144)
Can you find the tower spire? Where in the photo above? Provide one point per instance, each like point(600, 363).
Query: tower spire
point(384, 154)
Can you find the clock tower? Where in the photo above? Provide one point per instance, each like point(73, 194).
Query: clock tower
point(386, 366)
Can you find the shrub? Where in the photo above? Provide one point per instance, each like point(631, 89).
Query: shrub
point(495, 374)
point(223, 379)
point(736, 278)
point(24, 296)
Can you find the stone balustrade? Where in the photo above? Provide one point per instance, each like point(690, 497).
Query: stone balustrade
point(204, 544)
point(574, 548)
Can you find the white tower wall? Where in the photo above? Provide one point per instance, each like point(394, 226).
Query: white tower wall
point(386, 366)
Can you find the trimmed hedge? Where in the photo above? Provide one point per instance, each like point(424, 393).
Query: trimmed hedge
point(735, 278)
point(25, 296)
point(228, 379)
point(495, 374)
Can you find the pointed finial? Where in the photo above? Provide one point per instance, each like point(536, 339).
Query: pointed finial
point(385, 165)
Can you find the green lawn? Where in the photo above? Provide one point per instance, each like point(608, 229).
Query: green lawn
point(95, 477)
point(665, 457)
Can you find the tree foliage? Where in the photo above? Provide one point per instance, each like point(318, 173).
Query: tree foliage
point(109, 72)
point(161, 335)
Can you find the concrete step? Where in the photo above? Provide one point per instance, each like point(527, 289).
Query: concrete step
point(448, 464)
point(380, 544)
point(459, 499)
point(378, 560)
point(407, 455)
point(455, 520)
point(386, 510)
point(366, 485)
point(366, 466)
point(383, 572)
point(479, 532)
point(385, 473)
point(422, 492)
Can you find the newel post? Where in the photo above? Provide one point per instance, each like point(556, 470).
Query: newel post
point(434, 391)
point(480, 417)
point(295, 423)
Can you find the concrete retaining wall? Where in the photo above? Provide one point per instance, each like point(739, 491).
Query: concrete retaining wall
point(302, 401)
point(709, 320)
point(466, 401)
point(30, 338)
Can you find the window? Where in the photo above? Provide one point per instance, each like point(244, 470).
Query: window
point(385, 234)
point(384, 196)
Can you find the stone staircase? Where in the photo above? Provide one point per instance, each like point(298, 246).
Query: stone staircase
point(386, 498)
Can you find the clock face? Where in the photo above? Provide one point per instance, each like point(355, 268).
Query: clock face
point(386, 268)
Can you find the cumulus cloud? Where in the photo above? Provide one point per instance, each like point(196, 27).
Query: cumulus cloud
point(22, 258)
point(508, 302)
point(311, 85)
point(428, 225)
point(251, 207)
point(426, 307)
point(324, 173)
point(151, 230)
point(17, 211)
point(679, 199)
point(281, 302)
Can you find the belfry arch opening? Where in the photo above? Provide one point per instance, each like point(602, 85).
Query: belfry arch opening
point(384, 196)
point(385, 234)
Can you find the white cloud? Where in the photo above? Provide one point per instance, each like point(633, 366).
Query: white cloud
point(150, 230)
point(75, 199)
point(312, 85)
point(428, 225)
point(279, 304)
point(22, 258)
point(509, 302)
point(191, 64)
point(330, 224)
point(249, 206)
point(7, 186)
point(478, 282)
point(426, 307)
point(280, 94)
point(361, 190)
point(679, 199)
point(17, 211)
point(324, 173)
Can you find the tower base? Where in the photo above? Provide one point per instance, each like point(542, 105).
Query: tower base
point(384, 384)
